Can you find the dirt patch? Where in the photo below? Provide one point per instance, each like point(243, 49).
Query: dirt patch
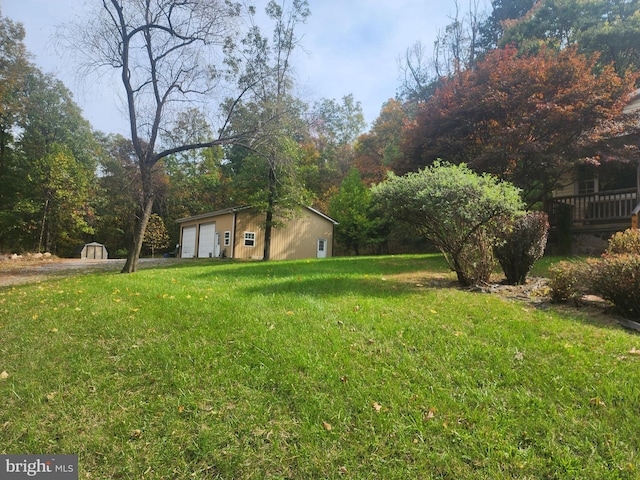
point(22, 271)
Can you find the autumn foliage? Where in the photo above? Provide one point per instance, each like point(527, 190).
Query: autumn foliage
point(525, 118)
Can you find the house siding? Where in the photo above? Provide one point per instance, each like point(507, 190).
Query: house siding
point(299, 238)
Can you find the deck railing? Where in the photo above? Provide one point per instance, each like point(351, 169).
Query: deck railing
point(613, 206)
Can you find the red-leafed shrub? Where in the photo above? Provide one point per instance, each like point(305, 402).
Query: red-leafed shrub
point(522, 245)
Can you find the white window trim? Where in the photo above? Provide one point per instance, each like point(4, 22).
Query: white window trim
point(227, 238)
point(251, 236)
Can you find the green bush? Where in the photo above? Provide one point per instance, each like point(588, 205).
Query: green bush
point(617, 279)
point(625, 242)
point(569, 280)
point(455, 209)
point(523, 244)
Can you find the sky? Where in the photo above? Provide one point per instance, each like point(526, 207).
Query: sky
point(349, 47)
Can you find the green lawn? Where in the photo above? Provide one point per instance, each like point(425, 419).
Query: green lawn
point(355, 368)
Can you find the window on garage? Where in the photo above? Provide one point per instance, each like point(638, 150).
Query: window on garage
point(249, 239)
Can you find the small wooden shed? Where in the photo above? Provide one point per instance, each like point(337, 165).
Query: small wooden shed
point(94, 251)
point(239, 233)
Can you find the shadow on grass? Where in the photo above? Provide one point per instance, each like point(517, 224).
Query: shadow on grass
point(371, 276)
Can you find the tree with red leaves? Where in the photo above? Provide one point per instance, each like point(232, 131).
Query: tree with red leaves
point(526, 118)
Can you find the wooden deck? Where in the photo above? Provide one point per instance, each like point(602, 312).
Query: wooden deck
point(594, 212)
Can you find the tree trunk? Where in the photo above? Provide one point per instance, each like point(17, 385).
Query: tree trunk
point(269, 219)
point(131, 265)
point(43, 224)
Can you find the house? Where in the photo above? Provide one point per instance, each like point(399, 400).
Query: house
point(601, 200)
point(597, 199)
point(239, 233)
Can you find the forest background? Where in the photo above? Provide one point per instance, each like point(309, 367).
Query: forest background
point(526, 90)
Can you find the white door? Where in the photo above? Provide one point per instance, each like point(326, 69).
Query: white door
point(188, 242)
point(207, 243)
point(322, 248)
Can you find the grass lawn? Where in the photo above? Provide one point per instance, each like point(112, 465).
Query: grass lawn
point(354, 368)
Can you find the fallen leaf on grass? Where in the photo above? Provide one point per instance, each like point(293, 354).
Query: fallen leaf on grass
point(376, 406)
point(4, 375)
point(431, 414)
point(597, 402)
point(633, 351)
point(327, 426)
point(518, 356)
point(51, 396)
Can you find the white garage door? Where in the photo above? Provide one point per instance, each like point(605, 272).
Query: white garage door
point(188, 242)
point(207, 244)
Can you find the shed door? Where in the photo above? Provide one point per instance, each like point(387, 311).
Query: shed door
point(207, 243)
point(188, 242)
point(322, 248)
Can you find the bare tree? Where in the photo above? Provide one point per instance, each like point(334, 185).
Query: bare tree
point(455, 49)
point(169, 53)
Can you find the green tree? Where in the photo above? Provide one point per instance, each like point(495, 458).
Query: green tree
point(266, 164)
point(333, 127)
point(49, 172)
point(196, 181)
point(454, 208)
point(14, 67)
point(503, 14)
point(119, 194)
point(609, 27)
point(376, 151)
point(352, 208)
point(59, 150)
point(156, 236)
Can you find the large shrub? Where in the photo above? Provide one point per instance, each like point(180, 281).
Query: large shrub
point(615, 276)
point(455, 209)
point(569, 280)
point(617, 279)
point(524, 241)
point(627, 242)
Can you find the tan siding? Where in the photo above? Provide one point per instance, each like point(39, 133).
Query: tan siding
point(249, 222)
point(299, 237)
point(568, 186)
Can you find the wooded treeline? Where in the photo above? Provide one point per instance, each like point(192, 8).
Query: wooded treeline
point(525, 91)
